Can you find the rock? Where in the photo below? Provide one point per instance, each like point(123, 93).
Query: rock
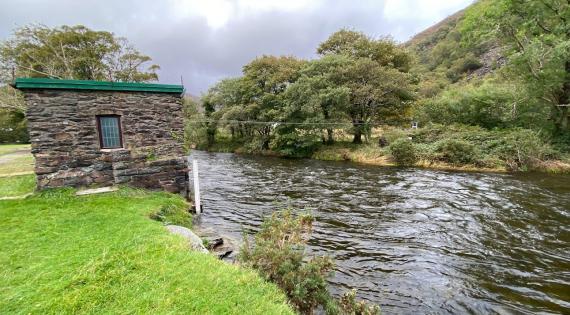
point(225, 254)
point(194, 241)
point(223, 246)
point(97, 191)
point(214, 242)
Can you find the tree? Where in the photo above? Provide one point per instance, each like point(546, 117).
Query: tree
point(319, 95)
point(11, 100)
point(66, 52)
point(357, 45)
point(267, 78)
point(537, 38)
point(376, 74)
point(73, 52)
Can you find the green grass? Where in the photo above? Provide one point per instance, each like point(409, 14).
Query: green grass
point(102, 254)
point(17, 185)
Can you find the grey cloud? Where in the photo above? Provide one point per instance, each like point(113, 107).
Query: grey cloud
point(202, 55)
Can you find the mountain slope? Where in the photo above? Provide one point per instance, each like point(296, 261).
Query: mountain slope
point(444, 57)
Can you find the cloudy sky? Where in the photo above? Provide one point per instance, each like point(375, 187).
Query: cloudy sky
point(204, 41)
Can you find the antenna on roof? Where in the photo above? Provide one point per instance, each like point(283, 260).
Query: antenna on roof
point(181, 80)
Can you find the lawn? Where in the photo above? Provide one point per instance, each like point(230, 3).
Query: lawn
point(103, 254)
point(65, 254)
point(12, 186)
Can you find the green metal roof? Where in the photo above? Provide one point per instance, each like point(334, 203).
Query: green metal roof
point(45, 83)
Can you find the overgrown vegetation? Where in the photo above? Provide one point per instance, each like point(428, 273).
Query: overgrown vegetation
point(403, 152)
point(279, 256)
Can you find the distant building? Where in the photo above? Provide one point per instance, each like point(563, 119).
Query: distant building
point(93, 133)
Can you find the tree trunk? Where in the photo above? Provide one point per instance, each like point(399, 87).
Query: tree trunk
point(562, 122)
point(330, 136)
point(357, 132)
point(266, 137)
point(563, 126)
point(211, 134)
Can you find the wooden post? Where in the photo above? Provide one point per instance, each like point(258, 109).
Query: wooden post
point(196, 187)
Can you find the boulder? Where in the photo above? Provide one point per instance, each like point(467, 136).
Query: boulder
point(194, 241)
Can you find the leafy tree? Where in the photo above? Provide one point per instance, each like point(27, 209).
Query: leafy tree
point(11, 100)
point(357, 45)
point(537, 37)
point(375, 73)
point(321, 94)
point(13, 127)
point(491, 104)
point(73, 52)
point(257, 96)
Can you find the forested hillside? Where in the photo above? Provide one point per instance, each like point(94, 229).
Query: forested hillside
point(497, 64)
point(489, 87)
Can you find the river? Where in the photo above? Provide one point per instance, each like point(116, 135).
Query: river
point(414, 241)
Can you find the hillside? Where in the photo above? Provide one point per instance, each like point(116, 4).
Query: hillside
point(426, 39)
point(444, 56)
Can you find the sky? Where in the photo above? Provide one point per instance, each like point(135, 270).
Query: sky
point(202, 42)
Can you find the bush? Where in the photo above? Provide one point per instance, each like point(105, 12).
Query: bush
point(393, 134)
point(295, 143)
point(13, 127)
point(403, 152)
point(349, 305)
point(488, 105)
point(457, 151)
point(522, 149)
point(279, 256)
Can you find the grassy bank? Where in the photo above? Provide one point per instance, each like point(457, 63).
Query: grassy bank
point(103, 254)
point(455, 147)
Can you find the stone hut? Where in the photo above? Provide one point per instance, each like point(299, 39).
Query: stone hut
point(93, 133)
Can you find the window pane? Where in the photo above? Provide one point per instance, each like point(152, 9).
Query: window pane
point(110, 135)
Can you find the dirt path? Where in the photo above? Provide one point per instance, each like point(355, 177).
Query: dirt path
point(10, 156)
point(16, 162)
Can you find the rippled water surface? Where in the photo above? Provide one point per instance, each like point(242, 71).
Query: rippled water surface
point(412, 240)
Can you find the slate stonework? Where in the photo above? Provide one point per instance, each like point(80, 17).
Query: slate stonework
point(65, 140)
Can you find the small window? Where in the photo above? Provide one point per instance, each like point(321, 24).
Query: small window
point(109, 132)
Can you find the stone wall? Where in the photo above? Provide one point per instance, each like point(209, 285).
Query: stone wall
point(65, 140)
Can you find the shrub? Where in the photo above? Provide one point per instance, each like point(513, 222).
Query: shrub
point(279, 256)
point(13, 127)
point(457, 151)
point(403, 152)
point(349, 305)
point(426, 152)
point(522, 149)
point(295, 143)
point(393, 134)
point(488, 105)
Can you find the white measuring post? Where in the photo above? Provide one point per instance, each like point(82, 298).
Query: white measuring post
point(196, 186)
